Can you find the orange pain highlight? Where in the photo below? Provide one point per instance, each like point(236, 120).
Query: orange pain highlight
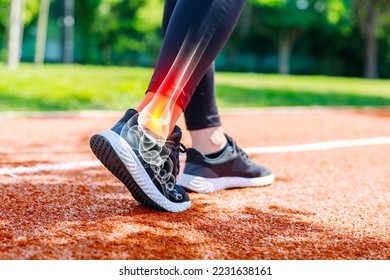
point(156, 117)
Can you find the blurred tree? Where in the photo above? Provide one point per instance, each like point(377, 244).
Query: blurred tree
point(126, 25)
point(372, 16)
point(4, 14)
point(15, 33)
point(29, 10)
point(148, 19)
point(284, 21)
point(86, 11)
point(68, 31)
point(4, 18)
point(40, 43)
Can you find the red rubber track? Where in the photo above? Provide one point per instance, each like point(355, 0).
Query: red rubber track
point(331, 204)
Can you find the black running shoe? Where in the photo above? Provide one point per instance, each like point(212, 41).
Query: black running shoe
point(232, 169)
point(148, 169)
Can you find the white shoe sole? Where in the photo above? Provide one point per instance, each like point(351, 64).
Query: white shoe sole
point(207, 185)
point(109, 146)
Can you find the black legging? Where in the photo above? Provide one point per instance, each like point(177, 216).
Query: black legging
point(197, 29)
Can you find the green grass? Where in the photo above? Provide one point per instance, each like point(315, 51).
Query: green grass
point(58, 87)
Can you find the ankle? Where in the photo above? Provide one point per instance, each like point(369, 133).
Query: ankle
point(158, 114)
point(208, 140)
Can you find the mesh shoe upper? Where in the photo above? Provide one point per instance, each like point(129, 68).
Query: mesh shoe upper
point(160, 161)
point(233, 162)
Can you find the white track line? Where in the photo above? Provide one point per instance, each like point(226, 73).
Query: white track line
point(49, 167)
point(320, 146)
point(328, 145)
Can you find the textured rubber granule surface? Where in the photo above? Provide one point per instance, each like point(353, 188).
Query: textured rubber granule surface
point(331, 204)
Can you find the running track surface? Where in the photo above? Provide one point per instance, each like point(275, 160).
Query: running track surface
point(327, 204)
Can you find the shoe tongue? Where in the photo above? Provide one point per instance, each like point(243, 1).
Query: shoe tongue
point(229, 140)
point(130, 113)
point(176, 135)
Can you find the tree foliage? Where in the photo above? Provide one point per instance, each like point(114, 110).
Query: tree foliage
point(4, 13)
point(85, 18)
point(373, 19)
point(129, 32)
point(284, 21)
point(31, 10)
point(127, 25)
point(365, 11)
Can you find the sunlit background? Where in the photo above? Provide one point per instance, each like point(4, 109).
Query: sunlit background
point(330, 37)
point(337, 45)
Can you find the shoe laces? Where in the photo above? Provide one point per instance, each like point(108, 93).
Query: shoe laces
point(179, 148)
point(242, 154)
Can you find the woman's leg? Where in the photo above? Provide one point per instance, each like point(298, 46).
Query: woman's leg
point(201, 114)
point(195, 34)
